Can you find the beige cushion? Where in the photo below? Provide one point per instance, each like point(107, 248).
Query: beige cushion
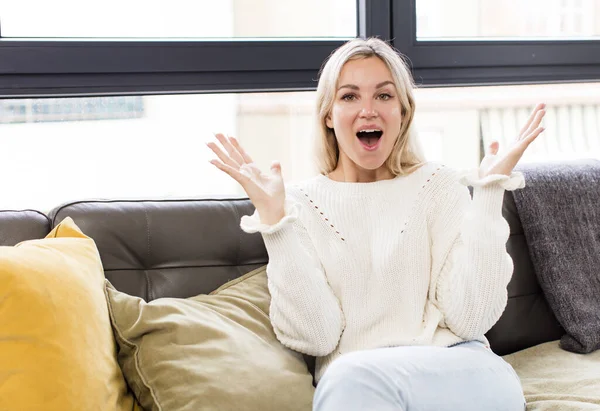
point(558, 380)
point(210, 352)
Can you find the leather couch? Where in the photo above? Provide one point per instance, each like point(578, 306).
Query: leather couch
point(182, 248)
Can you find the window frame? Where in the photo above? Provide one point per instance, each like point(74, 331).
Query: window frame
point(454, 63)
point(63, 68)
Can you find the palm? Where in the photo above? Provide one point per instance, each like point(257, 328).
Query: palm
point(266, 190)
point(263, 186)
point(504, 164)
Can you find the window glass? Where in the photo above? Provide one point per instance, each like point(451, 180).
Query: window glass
point(180, 18)
point(58, 150)
point(508, 19)
point(455, 123)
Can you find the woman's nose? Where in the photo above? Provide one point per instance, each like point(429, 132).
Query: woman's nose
point(367, 111)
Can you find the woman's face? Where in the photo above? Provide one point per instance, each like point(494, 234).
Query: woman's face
point(366, 115)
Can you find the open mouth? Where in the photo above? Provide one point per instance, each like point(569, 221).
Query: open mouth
point(369, 138)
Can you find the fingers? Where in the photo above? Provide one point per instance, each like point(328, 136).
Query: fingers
point(231, 150)
point(533, 135)
point(533, 117)
point(240, 150)
point(222, 156)
point(493, 148)
point(276, 167)
point(232, 171)
point(535, 124)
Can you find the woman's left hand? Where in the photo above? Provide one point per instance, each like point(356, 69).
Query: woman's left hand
point(505, 163)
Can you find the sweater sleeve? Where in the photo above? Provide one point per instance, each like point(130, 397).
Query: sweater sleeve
point(470, 266)
point(305, 314)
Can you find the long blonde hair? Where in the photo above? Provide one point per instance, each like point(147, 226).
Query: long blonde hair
point(406, 154)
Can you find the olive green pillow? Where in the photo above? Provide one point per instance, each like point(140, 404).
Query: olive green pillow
point(210, 352)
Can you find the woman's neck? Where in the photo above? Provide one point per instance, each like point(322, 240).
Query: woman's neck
point(356, 175)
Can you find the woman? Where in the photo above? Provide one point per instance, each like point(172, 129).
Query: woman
point(382, 266)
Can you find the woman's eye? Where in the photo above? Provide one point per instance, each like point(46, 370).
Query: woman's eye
point(348, 97)
point(385, 96)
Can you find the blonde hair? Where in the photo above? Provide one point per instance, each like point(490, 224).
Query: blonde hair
point(406, 154)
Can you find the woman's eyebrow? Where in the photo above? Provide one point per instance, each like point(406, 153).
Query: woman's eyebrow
point(351, 86)
point(384, 83)
point(355, 87)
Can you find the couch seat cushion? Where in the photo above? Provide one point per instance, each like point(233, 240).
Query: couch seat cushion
point(57, 350)
point(210, 352)
point(558, 380)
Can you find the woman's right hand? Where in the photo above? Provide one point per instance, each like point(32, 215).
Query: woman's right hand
point(265, 190)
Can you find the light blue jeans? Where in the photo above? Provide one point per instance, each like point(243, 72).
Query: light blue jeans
point(465, 377)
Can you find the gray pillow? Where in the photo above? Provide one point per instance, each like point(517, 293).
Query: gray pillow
point(560, 212)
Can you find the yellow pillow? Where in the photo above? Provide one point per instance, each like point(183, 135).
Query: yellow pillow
point(210, 352)
point(57, 349)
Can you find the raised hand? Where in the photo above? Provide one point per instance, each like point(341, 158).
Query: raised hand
point(505, 163)
point(265, 190)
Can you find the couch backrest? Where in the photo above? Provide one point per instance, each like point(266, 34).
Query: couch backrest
point(17, 226)
point(155, 249)
point(527, 319)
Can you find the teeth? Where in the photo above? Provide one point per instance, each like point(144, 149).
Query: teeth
point(370, 131)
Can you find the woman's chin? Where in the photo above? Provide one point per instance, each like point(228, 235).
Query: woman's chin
point(368, 161)
point(371, 164)
point(372, 160)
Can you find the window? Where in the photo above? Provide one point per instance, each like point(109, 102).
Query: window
point(180, 19)
point(508, 19)
point(455, 123)
point(128, 98)
point(160, 154)
point(484, 42)
point(148, 47)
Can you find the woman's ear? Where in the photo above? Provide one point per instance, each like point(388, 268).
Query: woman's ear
point(328, 121)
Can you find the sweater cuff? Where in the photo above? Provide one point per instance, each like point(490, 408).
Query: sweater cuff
point(252, 224)
point(514, 181)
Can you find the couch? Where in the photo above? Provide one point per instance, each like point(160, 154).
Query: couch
point(182, 248)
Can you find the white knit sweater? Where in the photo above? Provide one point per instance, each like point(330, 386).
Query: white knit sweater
point(407, 261)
